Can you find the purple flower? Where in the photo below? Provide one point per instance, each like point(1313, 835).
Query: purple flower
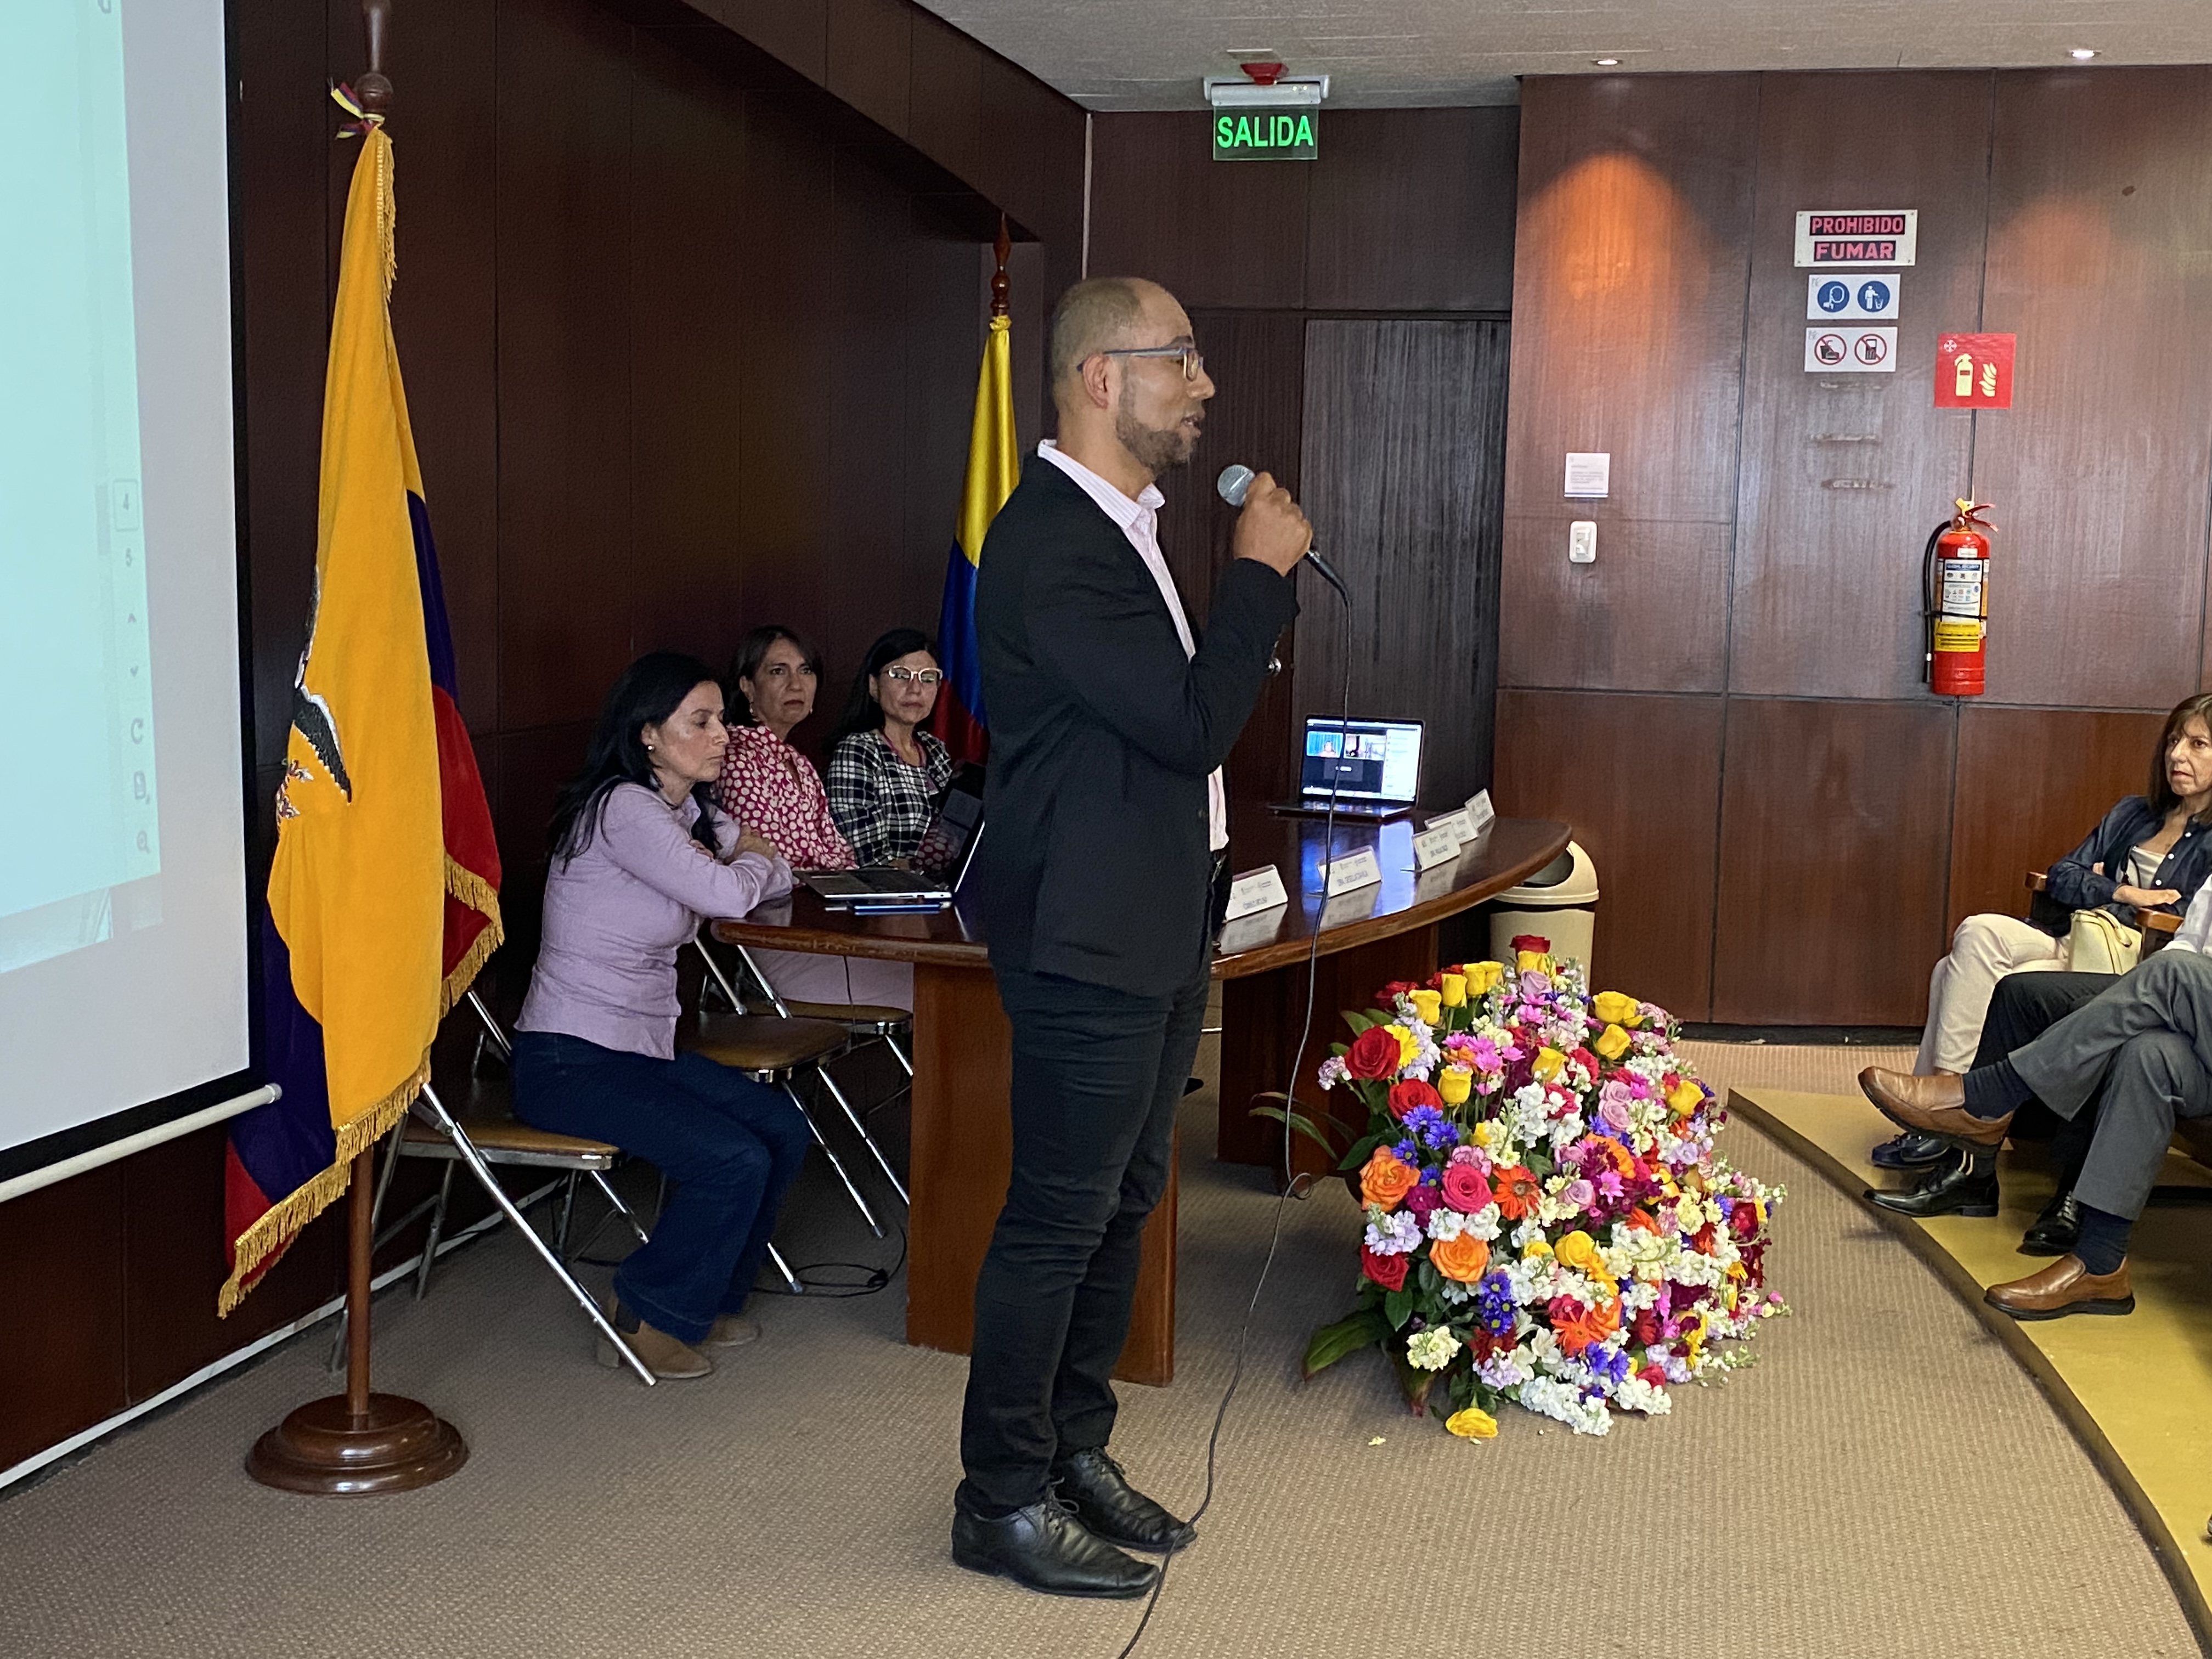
point(1405, 1152)
point(1421, 1199)
point(1494, 1305)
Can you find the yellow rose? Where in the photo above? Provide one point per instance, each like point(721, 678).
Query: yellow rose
point(1472, 1425)
point(1484, 976)
point(1407, 1046)
point(1617, 1010)
point(1481, 1132)
point(1429, 1005)
point(1612, 1042)
point(1578, 1250)
point(1531, 961)
point(1454, 991)
point(1550, 1062)
point(1535, 1248)
point(1686, 1098)
point(1454, 1084)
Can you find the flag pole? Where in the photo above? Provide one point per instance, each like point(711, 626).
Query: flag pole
point(358, 1444)
point(1002, 247)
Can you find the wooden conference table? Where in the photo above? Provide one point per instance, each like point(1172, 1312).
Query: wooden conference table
point(962, 1137)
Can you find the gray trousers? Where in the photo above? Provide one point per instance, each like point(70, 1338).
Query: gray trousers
point(2148, 1042)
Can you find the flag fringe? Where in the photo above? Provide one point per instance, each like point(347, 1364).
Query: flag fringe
point(480, 896)
point(259, 1247)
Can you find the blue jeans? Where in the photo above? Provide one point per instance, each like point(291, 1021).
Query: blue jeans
point(728, 1145)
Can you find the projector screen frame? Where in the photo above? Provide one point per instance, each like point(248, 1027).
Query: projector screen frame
point(67, 1152)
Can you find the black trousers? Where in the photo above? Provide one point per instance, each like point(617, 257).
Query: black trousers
point(1096, 1077)
point(2025, 1006)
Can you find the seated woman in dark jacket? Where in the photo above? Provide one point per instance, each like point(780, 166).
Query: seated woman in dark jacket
point(885, 772)
point(640, 852)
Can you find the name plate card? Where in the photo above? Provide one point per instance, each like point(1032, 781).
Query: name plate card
point(1454, 822)
point(1256, 891)
point(1433, 846)
point(1480, 814)
point(1350, 871)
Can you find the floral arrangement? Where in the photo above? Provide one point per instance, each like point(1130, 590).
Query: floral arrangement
point(1546, 1221)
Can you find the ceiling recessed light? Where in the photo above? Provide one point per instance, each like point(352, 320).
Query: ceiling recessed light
point(1606, 62)
point(2083, 54)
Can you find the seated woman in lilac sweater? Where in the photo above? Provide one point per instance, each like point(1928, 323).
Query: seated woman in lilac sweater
point(640, 853)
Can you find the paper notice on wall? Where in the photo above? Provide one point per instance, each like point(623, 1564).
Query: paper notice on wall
point(1589, 476)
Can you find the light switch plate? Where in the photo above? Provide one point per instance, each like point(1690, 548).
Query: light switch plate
point(1581, 542)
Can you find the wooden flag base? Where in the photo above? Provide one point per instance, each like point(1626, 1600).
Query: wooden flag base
point(357, 1444)
point(323, 1449)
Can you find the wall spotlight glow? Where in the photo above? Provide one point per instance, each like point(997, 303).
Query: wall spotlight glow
point(1606, 62)
point(2083, 54)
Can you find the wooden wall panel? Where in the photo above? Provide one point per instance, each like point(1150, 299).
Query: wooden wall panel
point(62, 1362)
point(1835, 824)
point(686, 330)
point(2031, 783)
point(1214, 233)
point(1638, 778)
point(945, 98)
point(1030, 160)
point(1404, 426)
point(564, 392)
point(1842, 474)
point(443, 305)
point(1628, 321)
point(1410, 209)
point(869, 58)
point(1646, 616)
point(2099, 214)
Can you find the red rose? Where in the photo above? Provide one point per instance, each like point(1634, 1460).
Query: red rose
point(1465, 1190)
point(1535, 942)
point(1393, 991)
point(1373, 1054)
point(1387, 1271)
point(1743, 1221)
point(1647, 1329)
point(1653, 1373)
point(1413, 1092)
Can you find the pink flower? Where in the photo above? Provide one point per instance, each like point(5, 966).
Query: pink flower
point(1422, 1200)
point(1578, 1195)
point(1464, 1188)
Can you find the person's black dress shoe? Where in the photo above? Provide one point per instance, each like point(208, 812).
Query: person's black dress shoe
point(1092, 1484)
point(1957, 1189)
point(2057, 1231)
point(1907, 1151)
point(1045, 1548)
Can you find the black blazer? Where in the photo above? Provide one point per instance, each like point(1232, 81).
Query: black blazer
point(1094, 864)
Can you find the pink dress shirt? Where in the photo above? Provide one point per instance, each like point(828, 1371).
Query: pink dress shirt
point(774, 793)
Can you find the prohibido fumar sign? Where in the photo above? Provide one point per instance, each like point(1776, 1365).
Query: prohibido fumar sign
point(1266, 135)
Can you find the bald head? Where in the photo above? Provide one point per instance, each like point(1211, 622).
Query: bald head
point(1095, 316)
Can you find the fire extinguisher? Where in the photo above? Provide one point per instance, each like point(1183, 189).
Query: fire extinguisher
point(1954, 583)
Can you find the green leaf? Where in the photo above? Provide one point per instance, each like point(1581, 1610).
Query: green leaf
point(1299, 1121)
point(1412, 1380)
point(1362, 1150)
point(1358, 1022)
point(1364, 1329)
point(1425, 1274)
point(1398, 1308)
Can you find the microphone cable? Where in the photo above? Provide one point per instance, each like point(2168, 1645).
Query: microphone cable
point(1296, 1187)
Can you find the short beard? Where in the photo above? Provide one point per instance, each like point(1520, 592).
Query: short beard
point(1155, 451)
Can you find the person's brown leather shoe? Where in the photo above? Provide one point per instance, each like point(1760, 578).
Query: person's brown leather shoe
point(1932, 1105)
point(670, 1360)
point(2064, 1287)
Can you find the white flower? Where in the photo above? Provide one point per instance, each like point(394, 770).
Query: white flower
point(1636, 1396)
point(1503, 1371)
point(1332, 1072)
point(1549, 1397)
point(1483, 1224)
point(1431, 1350)
point(1527, 1233)
point(1444, 1222)
point(1397, 1234)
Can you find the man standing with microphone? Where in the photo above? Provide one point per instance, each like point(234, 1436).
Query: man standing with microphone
point(1106, 834)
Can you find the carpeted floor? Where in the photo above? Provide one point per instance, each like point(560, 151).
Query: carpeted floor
point(1885, 1481)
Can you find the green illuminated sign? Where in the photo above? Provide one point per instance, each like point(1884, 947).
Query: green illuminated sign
point(1266, 135)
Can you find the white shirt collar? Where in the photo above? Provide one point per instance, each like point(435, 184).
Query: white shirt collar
point(1116, 506)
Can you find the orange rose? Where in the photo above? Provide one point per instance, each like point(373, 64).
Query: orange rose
point(1462, 1257)
point(1515, 1189)
point(1386, 1179)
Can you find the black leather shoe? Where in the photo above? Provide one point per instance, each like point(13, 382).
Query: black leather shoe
point(2057, 1231)
point(1092, 1484)
point(1957, 1189)
point(1907, 1151)
point(1045, 1548)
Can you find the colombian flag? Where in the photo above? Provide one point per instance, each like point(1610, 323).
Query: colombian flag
point(384, 899)
point(994, 467)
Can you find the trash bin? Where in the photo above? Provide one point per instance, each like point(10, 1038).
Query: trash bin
point(1558, 902)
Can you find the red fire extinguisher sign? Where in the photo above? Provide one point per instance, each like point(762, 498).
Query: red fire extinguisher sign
point(1974, 371)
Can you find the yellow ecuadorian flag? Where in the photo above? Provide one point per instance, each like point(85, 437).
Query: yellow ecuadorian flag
point(353, 965)
point(994, 466)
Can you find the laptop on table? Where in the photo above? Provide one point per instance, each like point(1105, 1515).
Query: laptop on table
point(941, 863)
point(1373, 767)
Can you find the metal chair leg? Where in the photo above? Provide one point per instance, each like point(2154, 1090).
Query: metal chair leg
point(437, 1229)
point(899, 1055)
point(830, 1152)
point(599, 1180)
point(861, 1128)
point(568, 1210)
point(466, 1149)
point(784, 1267)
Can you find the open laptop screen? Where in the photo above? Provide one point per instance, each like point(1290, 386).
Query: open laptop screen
point(1361, 760)
point(952, 829)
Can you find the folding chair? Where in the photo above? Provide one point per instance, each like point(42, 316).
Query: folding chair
point(869, 1021)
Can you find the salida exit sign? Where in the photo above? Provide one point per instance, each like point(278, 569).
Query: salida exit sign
point(1266, 135)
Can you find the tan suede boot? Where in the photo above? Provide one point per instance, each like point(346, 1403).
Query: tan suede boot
point(664, 1356)
point(731, 1331)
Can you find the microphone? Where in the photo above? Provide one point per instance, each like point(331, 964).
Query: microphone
point(1235, 478)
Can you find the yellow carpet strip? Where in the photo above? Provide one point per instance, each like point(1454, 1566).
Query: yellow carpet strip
point(2136, 1389)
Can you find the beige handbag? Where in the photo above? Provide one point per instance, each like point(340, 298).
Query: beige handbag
point(2099, 943)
